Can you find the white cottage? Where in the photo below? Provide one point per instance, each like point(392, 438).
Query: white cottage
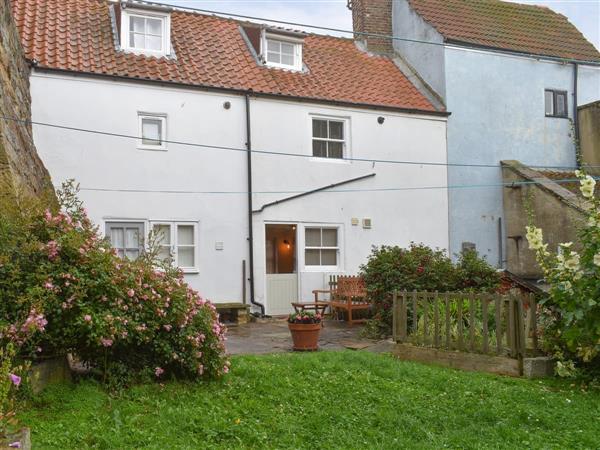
point(161, 106)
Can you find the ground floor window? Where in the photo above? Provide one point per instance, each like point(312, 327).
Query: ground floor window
point(127, 238)
point(177, 243)
point(321, 247)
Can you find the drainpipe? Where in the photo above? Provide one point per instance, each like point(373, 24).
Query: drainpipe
point(250, 227)
point(576, 114)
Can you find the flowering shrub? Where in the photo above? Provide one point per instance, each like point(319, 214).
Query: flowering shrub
point(305, 317)
point(72, 293)
point(420, 268)
point(574, 277)
point(10, 381)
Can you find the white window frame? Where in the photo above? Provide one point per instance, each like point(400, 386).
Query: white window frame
point(126, 223)
point(173, 225)
point(322, 268)
point(296, 42)
point(165, 18)
point(345, 141)
point(152, 116)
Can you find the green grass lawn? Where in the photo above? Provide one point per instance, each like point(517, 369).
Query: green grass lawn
point(322, 400)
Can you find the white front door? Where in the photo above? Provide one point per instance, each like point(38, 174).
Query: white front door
point(282, 275)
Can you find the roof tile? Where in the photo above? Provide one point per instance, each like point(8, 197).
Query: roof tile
point(507, 26)
point(77, 35)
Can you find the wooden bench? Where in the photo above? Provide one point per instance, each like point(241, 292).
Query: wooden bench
point(347, 293)
point(233, 312)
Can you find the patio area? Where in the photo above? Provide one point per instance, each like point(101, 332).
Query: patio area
point(273, 336)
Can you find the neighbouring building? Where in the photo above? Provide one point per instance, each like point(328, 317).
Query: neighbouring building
point(512, 76)
point(162, 104)
point(589, 136)
point(21, 170)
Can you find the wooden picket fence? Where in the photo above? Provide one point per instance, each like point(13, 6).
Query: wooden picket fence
point(493, 324)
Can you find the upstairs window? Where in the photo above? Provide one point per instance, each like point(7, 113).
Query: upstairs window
point(282, 52)
point(152, 131)
point(146, 33)
point(556, 103)
point(328, 139)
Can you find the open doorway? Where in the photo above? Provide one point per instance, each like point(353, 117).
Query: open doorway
point(281, 267)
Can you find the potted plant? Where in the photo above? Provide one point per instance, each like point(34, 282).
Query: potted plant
point(305, 328)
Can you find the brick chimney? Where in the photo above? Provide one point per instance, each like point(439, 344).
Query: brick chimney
point(373, 16)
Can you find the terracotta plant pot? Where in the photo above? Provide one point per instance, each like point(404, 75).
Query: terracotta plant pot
point(305, 336)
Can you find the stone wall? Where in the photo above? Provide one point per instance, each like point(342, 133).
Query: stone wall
point(589, 136)
point(558, 211)
point(20, 166)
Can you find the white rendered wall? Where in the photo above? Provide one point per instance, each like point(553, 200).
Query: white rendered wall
point(116, 163)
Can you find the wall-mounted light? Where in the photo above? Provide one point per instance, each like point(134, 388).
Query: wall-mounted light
point(380, 120)
point(287, 243)
point(227, 105)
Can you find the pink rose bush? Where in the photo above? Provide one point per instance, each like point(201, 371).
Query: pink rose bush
point(64, 289)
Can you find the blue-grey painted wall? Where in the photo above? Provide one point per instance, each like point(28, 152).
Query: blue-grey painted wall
point(497, 111)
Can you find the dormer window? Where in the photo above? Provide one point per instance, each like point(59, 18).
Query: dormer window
point(284, 52)
point(146, 32)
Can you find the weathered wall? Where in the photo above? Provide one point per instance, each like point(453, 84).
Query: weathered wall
point(558, 211)
point(589, 136)
point(19, 162)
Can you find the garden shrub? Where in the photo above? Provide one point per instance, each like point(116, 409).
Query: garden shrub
point(125, 319)
point(420, 268)
point(572, 329)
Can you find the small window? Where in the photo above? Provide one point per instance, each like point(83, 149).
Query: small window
point(283, 53)
point(177, 244)
point(127, 238)
point(556, 103)
point(321, 247)
point(145, 33)
point(328, 138)
point(152, 132)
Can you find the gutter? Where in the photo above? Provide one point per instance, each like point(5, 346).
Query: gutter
point(312, 191)
point(250, 225)
point(322, 101)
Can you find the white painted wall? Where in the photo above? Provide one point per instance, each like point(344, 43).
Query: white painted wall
point(96, 161)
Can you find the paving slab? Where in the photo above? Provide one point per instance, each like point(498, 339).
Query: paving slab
point(272, 336)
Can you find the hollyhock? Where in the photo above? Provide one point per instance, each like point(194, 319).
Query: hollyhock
point(87, 318)
point(106, 342)
point(158, 372)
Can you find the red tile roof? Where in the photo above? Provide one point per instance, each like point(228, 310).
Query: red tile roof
point(77, 35)
point(507, 26)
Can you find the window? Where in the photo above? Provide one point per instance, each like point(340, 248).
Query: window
point(328, 138)
point(283, 53)
point(556, 103)
point(146, 33)
point(127, 238)
point(321, 247)
point(152, 132)
point(177, 244)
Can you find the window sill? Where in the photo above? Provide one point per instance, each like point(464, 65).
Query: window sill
point(189, 270)
point(557, 117)
point(152, 148)
point(150, 53)
point(330, 160)
point(320, 269)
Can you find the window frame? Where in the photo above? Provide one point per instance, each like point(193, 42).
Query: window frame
point(338, 248)
point(345, 142)
point(152, 116)
point(174, 241)
point(555, 93)
point(125, 223)
point(297, 54)
point(165, 19)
